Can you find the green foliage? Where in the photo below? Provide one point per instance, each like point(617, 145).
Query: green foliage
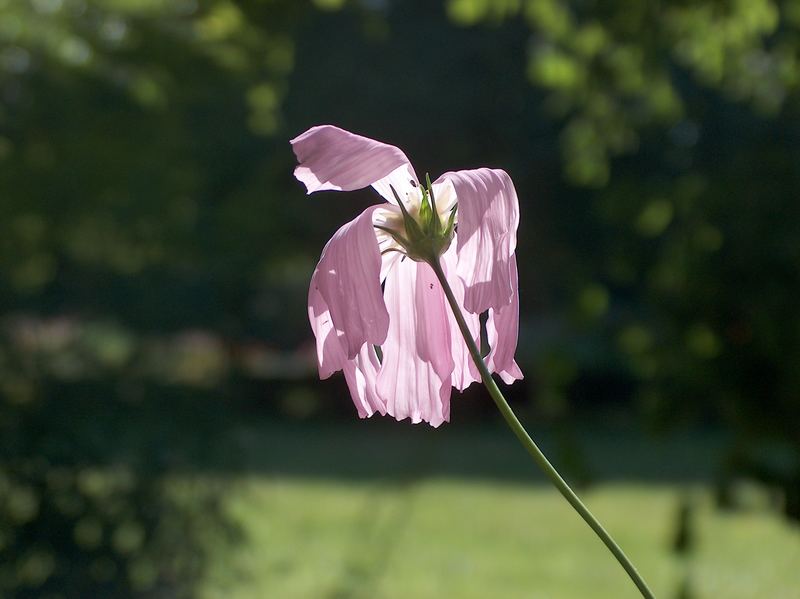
point(79, 531)
point(695, 232)
point(133, 149)
point(89, 508)
point(614, 71)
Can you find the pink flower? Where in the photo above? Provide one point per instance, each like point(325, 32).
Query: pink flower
point(373, 289)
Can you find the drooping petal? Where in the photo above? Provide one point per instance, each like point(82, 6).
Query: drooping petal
point(360, 372)
point(348, 279)
point(361, 375)
point(335, 159)
point(330, 354)
point(502, 333)
point(414, 380)
point(488, 216)
point(464, 370)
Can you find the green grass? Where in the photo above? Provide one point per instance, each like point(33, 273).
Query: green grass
point(440, 533)
point(382, 510)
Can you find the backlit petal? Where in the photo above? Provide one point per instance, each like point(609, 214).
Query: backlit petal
point(330, 354)
point(502, 332)
point(488, 216)
point(360, 372)
point(335, 159)
point(361, 375)
point(348, 279)
point(464, 370)
point(414, 380)
point(446, 198)
point(405, 184)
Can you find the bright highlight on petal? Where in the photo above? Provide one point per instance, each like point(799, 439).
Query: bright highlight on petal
point(422, 353)
point(415, 375)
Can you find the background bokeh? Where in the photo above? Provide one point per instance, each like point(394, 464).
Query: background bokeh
point(162, 429)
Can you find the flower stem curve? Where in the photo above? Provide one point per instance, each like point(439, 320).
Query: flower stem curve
point(529, 444)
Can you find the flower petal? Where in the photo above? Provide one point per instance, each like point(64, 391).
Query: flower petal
point(502, 332)
point(488, 216)
point(414, 380)
point(464, 370)
point(360, 373)
point(446, 198)
point(405, 184)
point(332, 158)
point(348, 279)
point(330, 354)
point(387, 217)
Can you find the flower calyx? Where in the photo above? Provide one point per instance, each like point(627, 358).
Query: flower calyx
point(426, 234)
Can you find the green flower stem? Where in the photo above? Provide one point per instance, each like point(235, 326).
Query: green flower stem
point(531, 447)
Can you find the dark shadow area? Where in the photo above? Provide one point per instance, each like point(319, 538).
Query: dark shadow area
point(188, 432)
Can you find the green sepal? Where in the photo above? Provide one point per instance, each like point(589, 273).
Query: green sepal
point(437, 224)
point(395, 235)
point(451, 222)
point(426, 238)
point(425, 214)
point(412, 228)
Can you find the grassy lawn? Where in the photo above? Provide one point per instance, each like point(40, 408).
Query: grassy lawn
point(456, 538)
point(258, 507)
point(433, 532)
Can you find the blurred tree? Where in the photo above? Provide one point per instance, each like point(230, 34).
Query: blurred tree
point(696, 237)
point(134, 157)
point(614, 71)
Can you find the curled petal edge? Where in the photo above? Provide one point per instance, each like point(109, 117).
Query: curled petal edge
point(330, 158)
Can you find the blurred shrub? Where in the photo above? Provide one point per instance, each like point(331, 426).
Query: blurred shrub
point(683, 262)
point(613, 72)
point(72, 531)
point(86, 511)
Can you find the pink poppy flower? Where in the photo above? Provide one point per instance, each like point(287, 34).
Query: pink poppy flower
point(374, 291)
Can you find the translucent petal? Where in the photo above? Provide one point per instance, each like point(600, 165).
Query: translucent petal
point(348, 277)
point(360, 372)
point(464, 370)
point(414, 380)
point(488, 216)
point(502, 332)
point(334, 159)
